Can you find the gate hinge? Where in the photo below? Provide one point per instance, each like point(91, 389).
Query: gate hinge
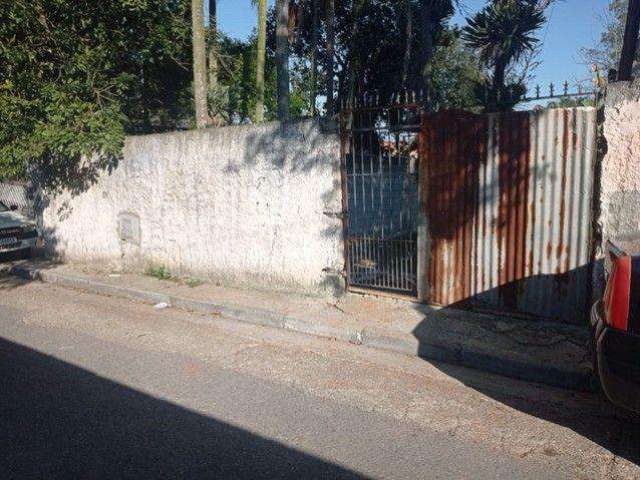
point(340, 215)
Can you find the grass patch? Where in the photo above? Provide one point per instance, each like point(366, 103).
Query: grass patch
point(193, 282)
point(161, 273)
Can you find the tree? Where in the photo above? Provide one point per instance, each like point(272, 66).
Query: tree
point(330, 53)
point(214, 90)
point(502, 33)
point(75, 77)
point(367, 48)
point(260, 63)
point(282, 57)
point(408, 40)
point(607, 53)
point(200, 88)
point(315, 30)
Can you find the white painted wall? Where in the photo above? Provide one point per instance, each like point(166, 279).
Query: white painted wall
point(246, 205)
point(620, 186)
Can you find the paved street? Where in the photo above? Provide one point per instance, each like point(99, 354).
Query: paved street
point(96, 387)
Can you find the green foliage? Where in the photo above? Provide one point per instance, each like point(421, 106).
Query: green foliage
point(454, 74)
point(193, 282)
point(502, 33)
point(370, 44)
point(76, 76)
point(572, 102)
point(504, 30)
point(606, 54)
point(160, 272)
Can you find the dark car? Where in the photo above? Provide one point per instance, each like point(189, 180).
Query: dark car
point(615, 322)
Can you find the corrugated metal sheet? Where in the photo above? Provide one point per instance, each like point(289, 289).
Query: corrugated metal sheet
point(16, 194)
point(508, 202)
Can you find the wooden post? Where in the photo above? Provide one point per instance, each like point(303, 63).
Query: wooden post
point(630, 41)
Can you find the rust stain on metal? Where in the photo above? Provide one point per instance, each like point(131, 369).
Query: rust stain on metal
point(563, 188)
point(499, 193)
point(513, 179)
point(455, 147)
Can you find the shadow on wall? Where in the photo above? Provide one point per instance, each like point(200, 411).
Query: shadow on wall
point(53, 175)
point(299, 150)
point(299, 147)
point(560, 297)
point(506, 197)
point(60, 421)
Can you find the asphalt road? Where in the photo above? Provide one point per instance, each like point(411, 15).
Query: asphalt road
point(95, 387)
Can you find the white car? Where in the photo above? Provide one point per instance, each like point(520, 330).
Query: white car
point(17, 233)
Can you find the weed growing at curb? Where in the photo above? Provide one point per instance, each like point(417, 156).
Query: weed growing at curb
point(193, 282)
point(161, 273)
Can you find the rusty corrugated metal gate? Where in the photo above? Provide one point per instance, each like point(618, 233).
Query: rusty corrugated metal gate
point(379, 164)
point(508, 198)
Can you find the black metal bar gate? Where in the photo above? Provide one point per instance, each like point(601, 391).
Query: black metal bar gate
point(380, 169)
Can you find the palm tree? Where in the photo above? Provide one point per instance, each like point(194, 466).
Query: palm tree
point(213, 56)
point(260, 61)
point(314, 56)
point(282, 58)
point(502, 33)
point(330, 49)
point(408, 35)
point(199, 64)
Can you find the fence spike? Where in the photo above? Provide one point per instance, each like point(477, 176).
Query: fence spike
point(551, 88)
point(537, 91)
point(566, 87)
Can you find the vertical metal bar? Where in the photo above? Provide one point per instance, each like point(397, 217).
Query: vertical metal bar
point(364, 203)
point(353, 170)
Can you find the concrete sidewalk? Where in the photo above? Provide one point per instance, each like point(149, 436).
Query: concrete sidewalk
point(545, 352)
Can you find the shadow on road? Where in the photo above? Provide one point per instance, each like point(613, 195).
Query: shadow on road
point(60, 421)
point(586, 413)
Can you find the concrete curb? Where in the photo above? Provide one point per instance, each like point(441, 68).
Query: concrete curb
point(456, 353)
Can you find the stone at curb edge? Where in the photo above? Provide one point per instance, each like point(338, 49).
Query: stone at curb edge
point(365, 337)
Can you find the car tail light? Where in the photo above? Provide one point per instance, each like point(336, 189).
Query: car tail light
point(618, 291)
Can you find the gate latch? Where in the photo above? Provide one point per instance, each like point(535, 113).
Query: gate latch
point(340, 215)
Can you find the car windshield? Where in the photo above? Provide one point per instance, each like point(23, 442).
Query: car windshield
point(3, 207)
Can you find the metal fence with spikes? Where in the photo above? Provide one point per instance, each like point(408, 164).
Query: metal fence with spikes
point(507, 98)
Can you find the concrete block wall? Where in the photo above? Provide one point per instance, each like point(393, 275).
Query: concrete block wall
point(253, 205)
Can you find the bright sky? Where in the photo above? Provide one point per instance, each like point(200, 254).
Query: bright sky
point(574, 24)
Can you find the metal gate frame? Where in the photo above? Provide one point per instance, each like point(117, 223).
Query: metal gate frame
point(505, 222)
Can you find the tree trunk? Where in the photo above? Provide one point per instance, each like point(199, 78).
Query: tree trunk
point(282, 58)
point(330, 55)
point(260, 61)
point(408, 42)
point(213, 55)
point(495, 99)
point(199, 64)
point(630, 41)
point(314, 58)
point(354, 66)
point(427, 28)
